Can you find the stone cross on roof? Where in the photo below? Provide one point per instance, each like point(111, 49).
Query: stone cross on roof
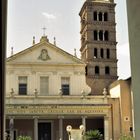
point(44, 30)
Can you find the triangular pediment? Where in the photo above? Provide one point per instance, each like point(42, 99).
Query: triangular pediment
point(44, 53)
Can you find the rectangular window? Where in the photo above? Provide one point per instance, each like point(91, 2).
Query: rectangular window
point(65, 85)
point(22, 85)
point(44, 85)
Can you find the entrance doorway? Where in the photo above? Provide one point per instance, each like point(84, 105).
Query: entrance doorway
point(95, 124)
point(44, 131)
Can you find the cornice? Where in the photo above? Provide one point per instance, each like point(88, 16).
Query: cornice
point(99, 43)
point(95, 3)
point(91, 23)
point(44, 64)
point(102, 77)
point(110, 60)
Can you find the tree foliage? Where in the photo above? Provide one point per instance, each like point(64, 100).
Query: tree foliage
point(127, 138)
point(23, 138)
point(93, 135)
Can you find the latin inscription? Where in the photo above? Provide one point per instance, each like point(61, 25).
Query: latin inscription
point(56, 109)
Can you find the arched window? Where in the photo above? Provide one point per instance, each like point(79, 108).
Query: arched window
point(95, 16)
point(97, 70)
point(106, 35)
point(107, 70)
point(86, 71)
point(108, 53)
point(95, 35)
point(101, 35)
point(100, 16)
point(95, 52)
point(102, 53)
point(105, 16)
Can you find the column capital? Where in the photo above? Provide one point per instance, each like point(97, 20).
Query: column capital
point(11, 117)
point(83, 117)
point(106, 117)
point(35, 117)
point(60, 117)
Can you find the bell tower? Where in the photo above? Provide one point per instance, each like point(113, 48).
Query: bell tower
point(98, 43)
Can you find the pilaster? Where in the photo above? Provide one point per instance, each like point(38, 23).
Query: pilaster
point(106, 128)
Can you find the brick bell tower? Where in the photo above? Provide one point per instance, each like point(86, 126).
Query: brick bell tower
point(98, 43)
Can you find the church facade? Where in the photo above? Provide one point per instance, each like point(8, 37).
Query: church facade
point(48, 89)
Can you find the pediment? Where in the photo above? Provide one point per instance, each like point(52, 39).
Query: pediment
point(44, 53)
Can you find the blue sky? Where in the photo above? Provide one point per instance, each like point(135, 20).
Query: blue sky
point(26, 18)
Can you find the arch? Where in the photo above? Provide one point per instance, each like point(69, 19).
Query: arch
point(108, 53)
point(106, 35)
point(105, 16)
point(95, 15)
point(86, 71)
point(100, 16)
point(102, 53)
point(101, 35)
point(95, 35)
point(97, 70)
point(95, 53)
point(107, 70)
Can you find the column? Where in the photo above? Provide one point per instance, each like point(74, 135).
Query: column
point(35, 128)
point(84, 121)
point(102, 16)
point(97, 16)
point(98, 53)
point(106, 128)
point(98, 35)
point(11, 127)
point(103, 35)
point(105, 55)
point(61, 128)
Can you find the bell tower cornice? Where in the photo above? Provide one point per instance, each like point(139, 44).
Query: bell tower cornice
point(109, 4)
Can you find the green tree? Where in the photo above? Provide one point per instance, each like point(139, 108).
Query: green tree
point(127, 138)
point(23, 138)
point(93, 135)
